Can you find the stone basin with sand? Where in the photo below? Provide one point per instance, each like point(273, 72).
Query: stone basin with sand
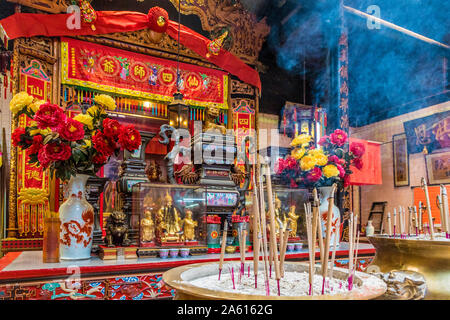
point(200, 282)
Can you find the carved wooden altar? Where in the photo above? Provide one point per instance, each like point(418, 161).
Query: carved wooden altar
point(245, 39)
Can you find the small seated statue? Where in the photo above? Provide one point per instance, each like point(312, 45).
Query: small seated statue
point(189, 226)
point(211, 114)
point(117, 230)
point(169, 220)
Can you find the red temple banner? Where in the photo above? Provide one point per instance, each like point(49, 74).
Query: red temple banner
point(122, 72)
point(32, 182)
point(371, 170)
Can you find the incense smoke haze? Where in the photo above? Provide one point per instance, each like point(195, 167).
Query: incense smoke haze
point(390, 73)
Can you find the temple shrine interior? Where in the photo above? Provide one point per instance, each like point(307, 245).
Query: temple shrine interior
point(224, 150)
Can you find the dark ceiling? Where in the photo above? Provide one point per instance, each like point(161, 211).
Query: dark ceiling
point(389, 73)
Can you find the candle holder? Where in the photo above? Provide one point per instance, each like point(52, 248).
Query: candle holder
point(50, 242)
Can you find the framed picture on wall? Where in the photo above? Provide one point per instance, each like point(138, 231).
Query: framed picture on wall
point(401, 160)
point(438, 167)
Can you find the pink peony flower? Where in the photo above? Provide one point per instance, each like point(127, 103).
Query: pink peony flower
point(323, 141)
point(341, 170)
point(280, 166)
point(333, 159)
point(346, 180)
point(358, 163)
point(357, 149)
point(314, 174)
point(338, 137)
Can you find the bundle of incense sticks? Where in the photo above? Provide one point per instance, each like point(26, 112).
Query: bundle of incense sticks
point(222, 249)
point(351, 243)
point(242, 248)
point(336, 237)
point(409, 221)
point(445, 209)
point(401, 218)
point(389, 223)
point(420, 217)
point(232, 276)
point(328, 236)
point(311, 247)
point(416, 221)
point(430, 217)
point(256, 232)
point(314, 225)
point(263, 226)
point(284, 237)
point(273, 239)
point(395, 221)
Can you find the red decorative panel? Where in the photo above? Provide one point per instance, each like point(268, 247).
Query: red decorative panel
point(141, 287)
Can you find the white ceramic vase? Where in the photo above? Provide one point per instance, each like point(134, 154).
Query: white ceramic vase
point(77, 221)
point(323, 209)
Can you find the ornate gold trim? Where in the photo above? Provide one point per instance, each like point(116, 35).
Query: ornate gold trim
point(52, 6)
point(128, 92)
point(247, 35)
point(131, 42)
point(37, 54)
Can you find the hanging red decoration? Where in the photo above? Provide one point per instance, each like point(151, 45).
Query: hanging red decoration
point(55, 25)
point(157, 19)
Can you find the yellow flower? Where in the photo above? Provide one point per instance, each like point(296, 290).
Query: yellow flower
point(44, 132)
point(93, 110)
point(307, 163)
point(85, 119)
point(105, 101)
point(321, 159)
point(315, 152)
point(330, 171)
point(20, 101)
point(301, 140)
point(88, 143)
point(35, 105)
point(298, 153)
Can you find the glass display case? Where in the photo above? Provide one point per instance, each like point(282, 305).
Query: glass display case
point(290, 210)
point(177, 216)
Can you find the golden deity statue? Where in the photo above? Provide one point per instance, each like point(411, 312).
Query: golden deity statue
point(147, 227)
point(292, 221)
point(279, 216)
point(170, 220)
point(189, 227)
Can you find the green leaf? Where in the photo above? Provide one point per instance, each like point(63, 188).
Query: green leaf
point(47, 139)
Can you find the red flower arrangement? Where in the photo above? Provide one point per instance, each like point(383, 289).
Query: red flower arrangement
point(310, 167)
point(70, 146)
point(49, 116)
point(103, 144)
point(111, 128)
point(71, 130)
point(129, 138)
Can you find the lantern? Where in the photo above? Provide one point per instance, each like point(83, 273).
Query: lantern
point(178, 112)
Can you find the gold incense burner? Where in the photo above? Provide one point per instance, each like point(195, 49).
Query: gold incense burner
point(429, 258)
point(178, 279)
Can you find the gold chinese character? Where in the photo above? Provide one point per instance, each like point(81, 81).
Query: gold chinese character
point(139, 71)
point(36, 91)
point(108, 66)
point(167, 77)
point(193, 82)
point(33, 175)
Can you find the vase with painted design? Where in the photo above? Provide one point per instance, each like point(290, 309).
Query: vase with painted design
point(77, 221)
point(324, 194)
